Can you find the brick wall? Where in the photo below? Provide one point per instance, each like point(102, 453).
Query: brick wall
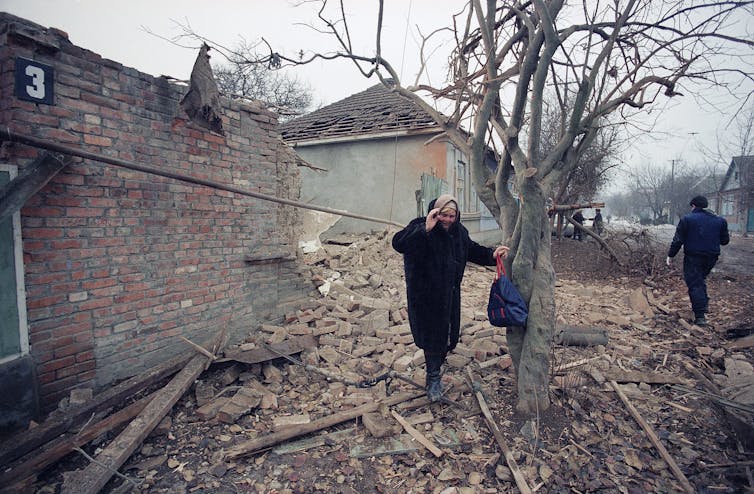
point(119, 263)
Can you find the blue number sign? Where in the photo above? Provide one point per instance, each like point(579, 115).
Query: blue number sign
point(34, 81)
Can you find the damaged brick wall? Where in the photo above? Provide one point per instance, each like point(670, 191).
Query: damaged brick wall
point(119, 263)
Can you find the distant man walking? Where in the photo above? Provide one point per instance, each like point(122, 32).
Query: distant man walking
point(701, 233)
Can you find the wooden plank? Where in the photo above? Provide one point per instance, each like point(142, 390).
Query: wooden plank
point(55, 450)
point(29, 181)
point(420, 438)
point(518, 475)
point(263, 442)
point(22, 442)
point(642, 377)
point(257, 355)
point(654, 439)
point(94, 477)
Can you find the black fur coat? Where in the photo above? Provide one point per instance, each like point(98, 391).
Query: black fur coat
point(434, 262)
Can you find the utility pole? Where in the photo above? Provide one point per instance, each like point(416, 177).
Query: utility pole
point(672, 192)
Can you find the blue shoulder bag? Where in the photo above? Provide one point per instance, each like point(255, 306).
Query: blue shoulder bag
point(506, 307)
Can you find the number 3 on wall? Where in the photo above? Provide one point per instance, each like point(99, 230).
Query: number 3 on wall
point(34, 81)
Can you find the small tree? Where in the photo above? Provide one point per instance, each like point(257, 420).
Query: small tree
point(243, 76)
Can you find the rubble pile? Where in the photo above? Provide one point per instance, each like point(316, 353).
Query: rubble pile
point(330, 399)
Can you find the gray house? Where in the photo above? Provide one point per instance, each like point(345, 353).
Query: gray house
point(736, 195)
point(378, 154)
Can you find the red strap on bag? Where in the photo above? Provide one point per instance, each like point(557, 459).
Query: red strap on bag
point(500, 268)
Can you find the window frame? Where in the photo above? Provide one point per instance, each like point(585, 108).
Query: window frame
point(23, 328)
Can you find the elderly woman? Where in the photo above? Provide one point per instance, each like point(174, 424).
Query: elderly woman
point(435, 249)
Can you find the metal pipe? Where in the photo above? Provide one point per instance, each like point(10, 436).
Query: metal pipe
point(8, 135)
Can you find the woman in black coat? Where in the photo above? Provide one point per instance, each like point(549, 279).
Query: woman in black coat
point(435, 249)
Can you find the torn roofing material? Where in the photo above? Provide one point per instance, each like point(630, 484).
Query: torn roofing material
point(376, 110)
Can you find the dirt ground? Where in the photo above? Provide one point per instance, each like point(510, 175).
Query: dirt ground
point(586, 442)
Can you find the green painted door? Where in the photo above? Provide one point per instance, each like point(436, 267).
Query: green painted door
point(432, 188)
point(750, 222)
point(10, 335)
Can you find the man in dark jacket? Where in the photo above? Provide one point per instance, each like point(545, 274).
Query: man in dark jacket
point(701, 233)
point(578, 217)
point(435, 249)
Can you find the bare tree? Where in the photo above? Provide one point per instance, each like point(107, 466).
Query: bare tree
point(659, 194)
point(594, 167)
point(601, 58)
point(242, 76)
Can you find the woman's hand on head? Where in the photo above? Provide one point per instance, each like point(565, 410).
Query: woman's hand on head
point(432, 219)
point(501, 251)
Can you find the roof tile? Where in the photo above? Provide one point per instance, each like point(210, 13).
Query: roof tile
point(375, 110)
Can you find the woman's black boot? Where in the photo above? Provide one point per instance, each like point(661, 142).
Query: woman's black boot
point(434, 386)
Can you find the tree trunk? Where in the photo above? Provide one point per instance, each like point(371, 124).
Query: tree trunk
point(533, 274)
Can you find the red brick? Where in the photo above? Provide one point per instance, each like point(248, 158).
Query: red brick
point(54, 365)
point(45, 301)
point(75, 369)
point(71, 349)
point(43, 233)
point(84, 212)
point(98, 140)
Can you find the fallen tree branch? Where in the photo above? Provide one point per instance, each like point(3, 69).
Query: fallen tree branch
point(599, 240)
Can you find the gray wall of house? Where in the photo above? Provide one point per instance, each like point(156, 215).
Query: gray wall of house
point(375, 178)
point(371, 177)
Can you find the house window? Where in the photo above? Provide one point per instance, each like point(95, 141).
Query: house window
point(468, 202)
point(14, 340)
point(461, 184)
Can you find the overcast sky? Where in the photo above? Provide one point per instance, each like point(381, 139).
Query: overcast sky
point(119, 31)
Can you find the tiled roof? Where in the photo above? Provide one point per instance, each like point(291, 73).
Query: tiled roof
point(374, 111)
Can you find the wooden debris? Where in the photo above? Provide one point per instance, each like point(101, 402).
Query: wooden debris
point(577, 363)
point(257, 444)
point(421, 438)
point(314, 442)
point(523, 486)
point(198, 348)
point(31, 178)
point(258, 355)
point(643, 377)
point(23, 442)
point(94, 477)
point(654, 439)
point(57, 449)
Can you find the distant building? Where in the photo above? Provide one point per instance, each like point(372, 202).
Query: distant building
point(736, 195)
